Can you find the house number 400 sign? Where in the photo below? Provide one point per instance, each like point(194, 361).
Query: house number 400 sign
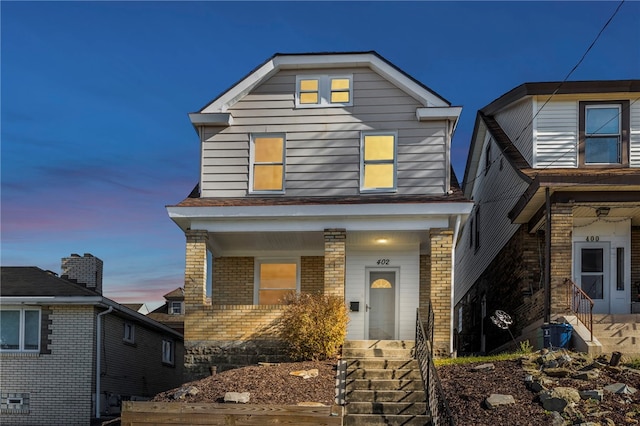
point(593, 238)
point(383, 261)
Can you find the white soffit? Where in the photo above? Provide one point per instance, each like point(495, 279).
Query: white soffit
point(438, 113)
point(233, 95)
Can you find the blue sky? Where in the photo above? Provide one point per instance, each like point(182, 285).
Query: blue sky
point(95, 95)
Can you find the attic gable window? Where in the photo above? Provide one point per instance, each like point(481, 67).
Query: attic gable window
point(324, 91)
point(604, 134)
point(378, 162)
point(267, 163)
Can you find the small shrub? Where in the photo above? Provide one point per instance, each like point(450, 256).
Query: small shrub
point(525, 347)
point(314, 325)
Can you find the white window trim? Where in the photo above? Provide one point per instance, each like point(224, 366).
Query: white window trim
point(170, 360)
point(21, 330)
point(267, 260)
point(125, 336)
point(324, 90)
point(252, 162)
point(395, 162)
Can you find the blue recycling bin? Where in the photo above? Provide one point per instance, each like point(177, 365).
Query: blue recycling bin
point(556, 335)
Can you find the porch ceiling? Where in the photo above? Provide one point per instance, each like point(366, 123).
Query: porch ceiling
point(590, 210)
point(311, 243)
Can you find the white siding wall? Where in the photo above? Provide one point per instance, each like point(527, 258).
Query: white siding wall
point(556, 129)
point(634, 158)
point(323, 144)
point(495, 194)
point(409, 288)
point(515, 121)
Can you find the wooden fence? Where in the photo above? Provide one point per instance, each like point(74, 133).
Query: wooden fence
point(141, 413)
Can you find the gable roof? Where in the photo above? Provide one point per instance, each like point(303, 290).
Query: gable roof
point(32, 285)
point(32, 281)
point(302, 61)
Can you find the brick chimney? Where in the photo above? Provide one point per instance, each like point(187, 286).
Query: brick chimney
point(85, 270)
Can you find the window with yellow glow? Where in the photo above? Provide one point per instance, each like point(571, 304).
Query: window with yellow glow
point(378, 162)
point(324, 90)
point(267, 163)
point(275, 281)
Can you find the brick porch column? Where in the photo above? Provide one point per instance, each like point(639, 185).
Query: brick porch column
point(440, 289)
point(334, 261)
point(561, 262)
point(195, 271)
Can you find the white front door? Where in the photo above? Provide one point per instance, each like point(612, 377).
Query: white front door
point(381, 303)
point(592, 273)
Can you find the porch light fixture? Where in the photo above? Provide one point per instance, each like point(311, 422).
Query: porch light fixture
point(602, 211)
point(382, 241)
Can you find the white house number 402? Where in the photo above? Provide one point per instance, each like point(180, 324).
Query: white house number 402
point(593, 238)
point(383, 261)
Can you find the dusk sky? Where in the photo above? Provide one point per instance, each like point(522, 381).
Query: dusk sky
point(95, 95)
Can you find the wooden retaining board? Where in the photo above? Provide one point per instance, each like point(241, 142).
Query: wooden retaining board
point(141, 413)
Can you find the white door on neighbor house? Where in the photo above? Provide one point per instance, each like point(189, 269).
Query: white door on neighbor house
point(592, 273)
point(381, 303)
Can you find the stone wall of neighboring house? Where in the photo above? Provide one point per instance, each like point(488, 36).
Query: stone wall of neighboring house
point(135, 368)
point(512, 283)
point(56, 386)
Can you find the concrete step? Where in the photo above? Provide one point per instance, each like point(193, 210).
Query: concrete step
point(391, 420)
point(386, 374)
point(376, 353)
point(382, 363)
point(396, 384)
point(404, 408)
point(384, 396)
point(379, 344)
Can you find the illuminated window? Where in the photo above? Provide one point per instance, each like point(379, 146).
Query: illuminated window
point(267, 163)
point(324, 90)
point(378, 162)
point(275, 278)
point(604, 133)
point(20, 330)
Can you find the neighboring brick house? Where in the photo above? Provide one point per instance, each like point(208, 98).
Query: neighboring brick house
point(554, 171)
point(49, 353)
point(322, 173)
point(171, 313)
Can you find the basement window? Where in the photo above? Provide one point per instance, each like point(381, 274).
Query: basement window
point(14, 403)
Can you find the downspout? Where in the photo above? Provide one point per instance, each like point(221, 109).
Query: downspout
point(98, 360)
point(456, 230)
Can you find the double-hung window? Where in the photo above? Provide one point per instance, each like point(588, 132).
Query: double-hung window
point(267, 163)
point(20, 330)
point(378, 162)
point(275, 278)
point(604, 133)
point(176, 308)
point(324, 91)
point(168, 352)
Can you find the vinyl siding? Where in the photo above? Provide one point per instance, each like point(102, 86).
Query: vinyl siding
point(516, 123)
point(408, 263)
point(557, 135)
point(634, 142)
point(323, 144)
point(495, 194)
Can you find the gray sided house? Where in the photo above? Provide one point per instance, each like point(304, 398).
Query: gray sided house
point(49, 353)
point(554, 172)
point(326, 173)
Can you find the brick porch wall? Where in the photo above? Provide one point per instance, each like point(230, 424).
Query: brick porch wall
point(425, 284)
point(232, 281)
point(440, 288)
point(312, 274)
point(561, 259)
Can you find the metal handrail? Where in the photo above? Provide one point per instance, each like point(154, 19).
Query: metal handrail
point(581, 304)
point(438, 407)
